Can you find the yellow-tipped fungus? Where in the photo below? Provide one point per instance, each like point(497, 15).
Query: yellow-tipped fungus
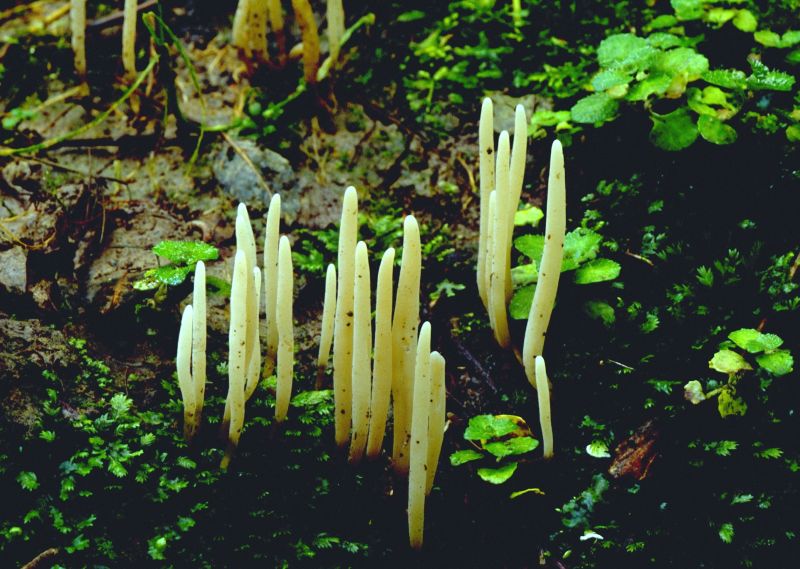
point(362, 340)
point(308, 28)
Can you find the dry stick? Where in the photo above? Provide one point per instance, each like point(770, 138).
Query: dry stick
point(88, 126)
point(243, 155)
point(515, 181)
point(404, 336)
point(237, 364)
point(382, 366)
point(497, 278)
point(326, 328)
point(362, 336)
point(550, 268)
point(199, 341)
point(417, 478)
point(543, 394)
point(271, 240)
point(285, 329)
point(486, 178)
point(436, 423)
point(343, 320)
point(42, 557)
point(182, 363)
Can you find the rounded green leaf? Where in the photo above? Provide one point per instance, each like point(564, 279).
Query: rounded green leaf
point(483, 427)
point(754, 341)
point(186, 252)
point(497, 475)
point(693, 392)
point(688, 9)
point(615, 49)
point(728, 361)
point(728, 403)
point(598, 449)
point(595, 108)
point(608, 78)
point(779, 362)
point(600, 310)
point(682, 61)
point(596, 271)
point(715, 131)
point(463, 456)
point(673, 131)
point(728, 78)
point(530, 215)
point(745, 21)
point(520, 305)
point(511, 447)
point(654, 84)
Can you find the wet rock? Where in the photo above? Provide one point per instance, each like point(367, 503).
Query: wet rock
point(13, 270)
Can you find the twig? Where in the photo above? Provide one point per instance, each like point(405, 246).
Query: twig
point(639, 258)
point(114, 17)
point(243, 155)
point(43, 556)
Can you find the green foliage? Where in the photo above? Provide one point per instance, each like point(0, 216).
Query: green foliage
point(505, 438)
point(183, 256)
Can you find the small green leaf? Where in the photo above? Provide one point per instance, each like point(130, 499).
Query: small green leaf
point(28, 480)
point(793, 132)
point(715, 131)
point(580, 245)
point(754, 341)
point(483, 427)
point(600, 310)
point(763, 78)
point(411, 16)
point(745, 21)
point(728, 403)
point(616, 49)
point(688, 9)
point(769, 453)
point(186, 252)
point(463, 456)
point(598, 449)
point(654, 84)
point(520, 305)
point(673, 131)
point(532, 246)
point(596, 271)
point(512, 446)
point(312, 398)
point(693, 392)
point(726, 532)
point(663, 21)
point(593, 109)
point(682, 61)
point(171, 275)
point(530, 215)
point(728, 78)
point(779, 362)
point(497, 475)
point(664, 40)
point(608, 78)
point(524, 274)
point(728, 361)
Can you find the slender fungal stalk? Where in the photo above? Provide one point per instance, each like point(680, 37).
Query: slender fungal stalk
point(285, 330)
point(130, 18)
point(550, 268)
point(491, 214)
point(382, 366)
point(182, 363)
point(254, 364)
point(362, 340)
point(258, 30)
point(404, 335)
point(199, 340)
point(417, 477)
point(343, 320)
point(326, 329)
point(276, 23)
point(241, 27)
point(77, 19)
point(486, 179)
point(270, 272)
point(543, 394)
point(436, 424)
point(499, 254)
point(516, 179)
point(335, 13)
point(308, 28)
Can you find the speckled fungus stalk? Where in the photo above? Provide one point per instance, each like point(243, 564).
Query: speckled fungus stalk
point(326, 328)
point(241, 26)
point(285, 330)
point(382, 365)
point(516, 179)
point(199, 341)
point(362, 340)
point(404, 335)
point(237, 362)
point(417, 477)
point(486, 179)
point(499, 255)
point(335, 14)
point(308, 28)
point(270, 272)
point(543, 394)
point(550, 268)
point(343, 320)
point(254, 363)
point(436, 424)
point(129, 39)
point(77, 19)
point(275, 11)
point(250, 28)
point(183, 364)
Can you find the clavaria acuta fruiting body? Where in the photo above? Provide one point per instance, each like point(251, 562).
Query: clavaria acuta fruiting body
point(199, 341)
point(543, 395)
point(343, 319)
point(183, 364)
point(250, 28)
point(436, 423)
point(254, 363)
point(308, 29)
point(404, 341)
point(516, 179)
point(497, 277)
point(285, 365)
point(361, 366)
point(275, 11)
point(129, 39)
point(335, 15)
point(486, 180)
point(417, 476)
point(237, 362)
point(326, 328)
point(382, 365)
point(271, 238)
point(550, 268)
point(77, 19)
